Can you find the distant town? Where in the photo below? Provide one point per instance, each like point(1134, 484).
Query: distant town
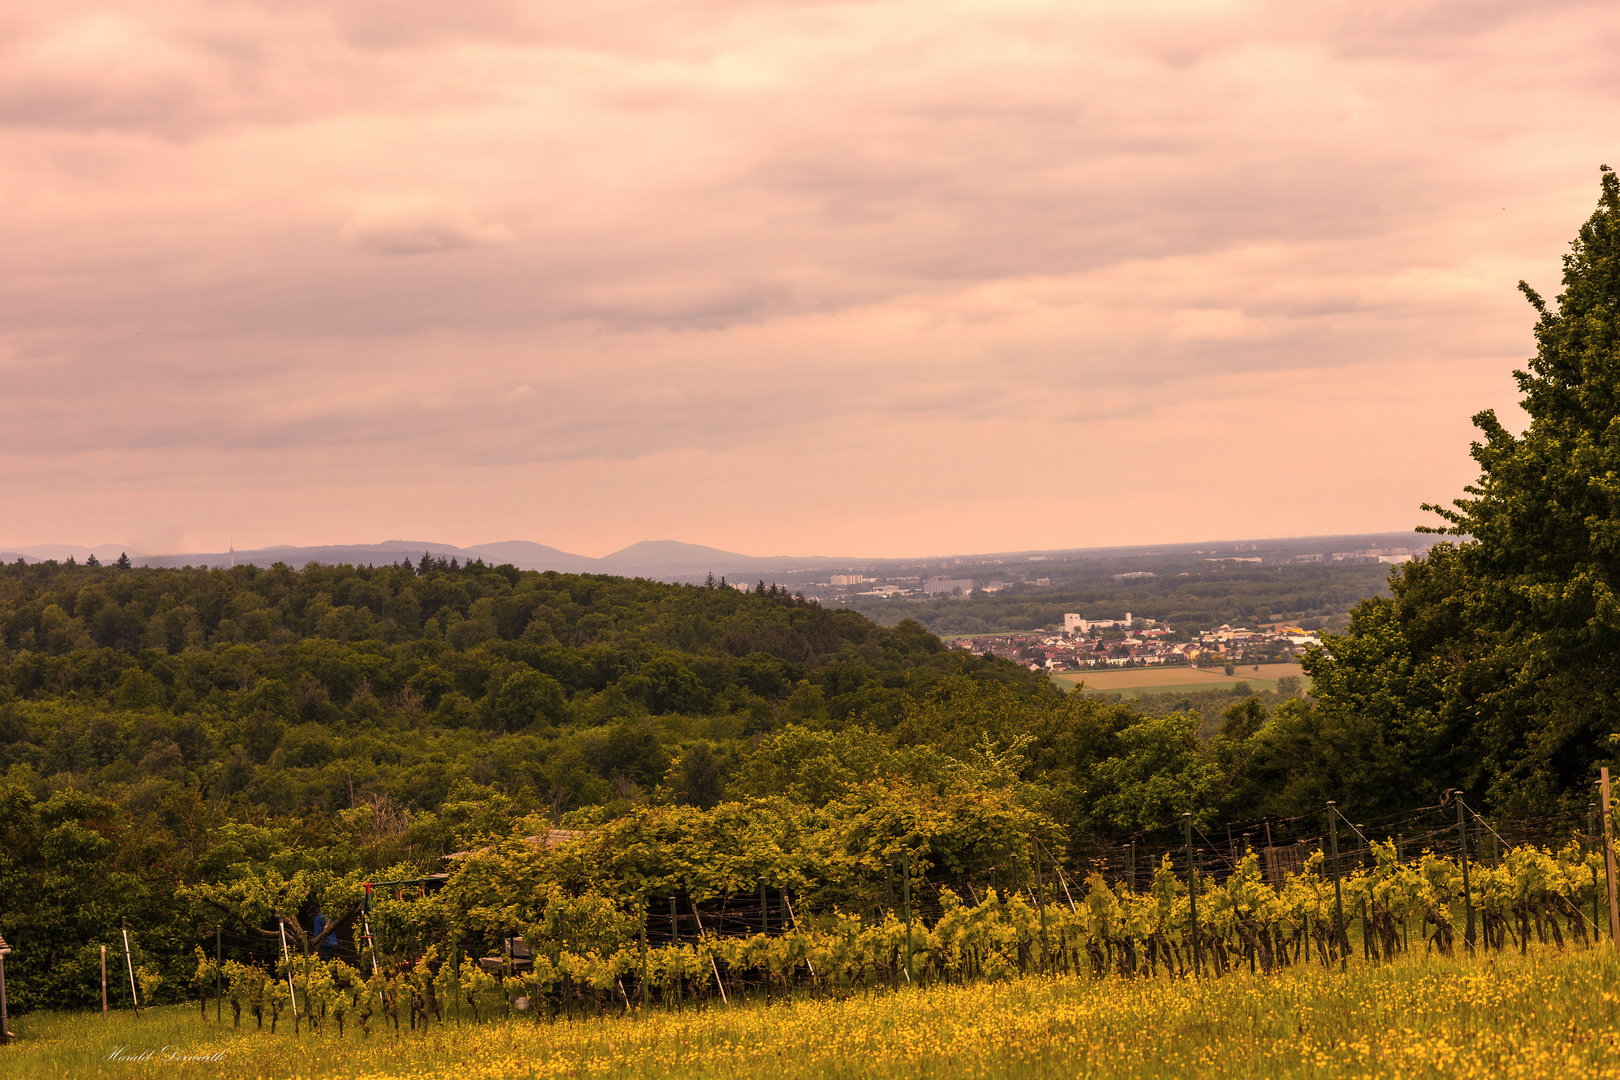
point(1089, 644)
point(1222, 603)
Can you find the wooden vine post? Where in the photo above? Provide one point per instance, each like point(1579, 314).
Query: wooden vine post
point(309, 1006)
point(644, 953)
point(1608, 855)
point(1040, 901)
point(219, 966)
point(675, 939)
point(1340, 940)
point(365, 919)
point(5, 1020)
point(905, 900)
point(1468, 896)
point(1192, 898)
point(765, 928)
point(104, 978)
point(698, 918)
point(286, 956)
point(130, 964)
point(1366, 932)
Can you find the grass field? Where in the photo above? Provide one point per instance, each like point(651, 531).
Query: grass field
point(1546, 1014)
point(1135, 682)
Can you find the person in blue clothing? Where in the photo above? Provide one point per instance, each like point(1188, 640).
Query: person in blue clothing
point(328, 946)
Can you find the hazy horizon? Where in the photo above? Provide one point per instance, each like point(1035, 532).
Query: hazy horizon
point(104, 553)
point(875, 278)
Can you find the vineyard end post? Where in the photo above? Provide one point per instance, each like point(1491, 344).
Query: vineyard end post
point(905, 895)
point(1040, 900)
point(1592, 845)
point(1342, 942)
point(1192, 898)
point(1132, 866)
point(675, 940)
point(130, 965)
point(219, 964)
point(286, 956)
point(1366, 931)
point(309, 1005)
point(1608, 856)
point(5, 1019)
point(1468, 896)
point(104, 978)
point(644, 954)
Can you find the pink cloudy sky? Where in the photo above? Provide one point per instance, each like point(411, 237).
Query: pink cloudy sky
point(883, 278)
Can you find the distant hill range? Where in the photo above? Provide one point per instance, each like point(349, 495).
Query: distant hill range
point(649, 558)
point(672, 560)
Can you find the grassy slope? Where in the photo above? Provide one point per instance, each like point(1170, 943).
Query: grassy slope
point(1131, 683)
point(1543, 1015)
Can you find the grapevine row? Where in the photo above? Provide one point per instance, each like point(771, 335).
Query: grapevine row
point(589, 952)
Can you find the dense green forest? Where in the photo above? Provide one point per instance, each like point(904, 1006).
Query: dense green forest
point(172, 735)
point(286, 689)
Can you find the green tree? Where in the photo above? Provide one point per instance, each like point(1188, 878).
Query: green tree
point(1159, 771)
point(1495, 666)
point(527, 697)
point(698, 777)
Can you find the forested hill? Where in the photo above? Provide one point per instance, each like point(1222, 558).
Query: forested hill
point(182, 747)
point(287, 690)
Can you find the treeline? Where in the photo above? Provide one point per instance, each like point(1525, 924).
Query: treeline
point(293, 689)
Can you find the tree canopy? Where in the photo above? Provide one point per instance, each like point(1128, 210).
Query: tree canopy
point(1494, 666)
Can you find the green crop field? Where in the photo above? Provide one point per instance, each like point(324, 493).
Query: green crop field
point(1546, 1013)
point(1137, 682)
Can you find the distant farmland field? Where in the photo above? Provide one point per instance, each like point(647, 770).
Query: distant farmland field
point(1135, 682)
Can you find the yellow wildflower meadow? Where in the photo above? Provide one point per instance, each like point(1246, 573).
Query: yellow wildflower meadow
point(1544, 1014)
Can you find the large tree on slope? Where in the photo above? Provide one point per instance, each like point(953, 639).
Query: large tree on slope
point(1495, 665)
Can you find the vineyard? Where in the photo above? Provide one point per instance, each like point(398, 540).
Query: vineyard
point(1356, 962)
point(588, 955)
point(1540, 1013)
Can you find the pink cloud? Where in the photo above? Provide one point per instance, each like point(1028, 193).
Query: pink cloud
point(288, 264)
point(417, 225)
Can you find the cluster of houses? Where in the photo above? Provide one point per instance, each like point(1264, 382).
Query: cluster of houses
point(1088, 644)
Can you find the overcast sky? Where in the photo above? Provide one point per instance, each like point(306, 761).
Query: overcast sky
point(873, 278)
